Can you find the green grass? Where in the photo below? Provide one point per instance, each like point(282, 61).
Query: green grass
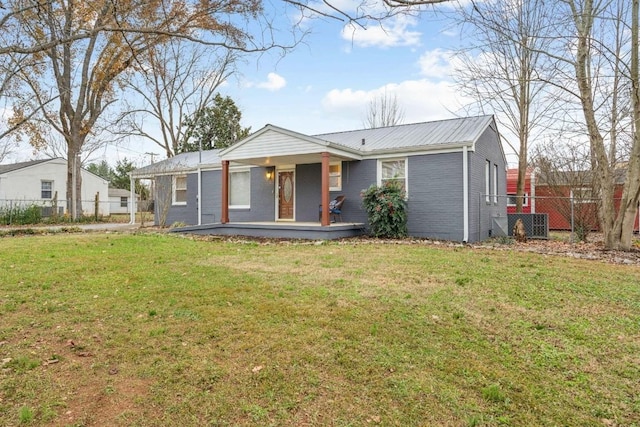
point(157, 330)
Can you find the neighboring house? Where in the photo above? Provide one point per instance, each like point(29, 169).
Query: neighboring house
point(44, 183)
point(452, 171)
point(120, 200)
point(553, 194)
point(529, 199)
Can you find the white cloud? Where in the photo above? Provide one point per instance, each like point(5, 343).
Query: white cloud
point(273, 83)
point(422, 100)
point(394, 32)
point(430, 98)
point(437, 64)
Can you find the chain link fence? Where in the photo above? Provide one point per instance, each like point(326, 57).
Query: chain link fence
point(577, 215)
point(33, 211)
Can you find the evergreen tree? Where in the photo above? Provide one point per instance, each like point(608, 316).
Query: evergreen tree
point(217, 126)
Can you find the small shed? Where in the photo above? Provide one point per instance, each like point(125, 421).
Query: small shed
point(120, 200)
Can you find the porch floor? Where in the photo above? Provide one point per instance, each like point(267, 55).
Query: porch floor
point(279, 229)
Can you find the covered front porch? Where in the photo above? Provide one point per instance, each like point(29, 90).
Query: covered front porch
point(301, 182)
point(280, 230)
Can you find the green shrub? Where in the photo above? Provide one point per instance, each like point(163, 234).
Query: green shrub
point(386, 208)
point(20, 215)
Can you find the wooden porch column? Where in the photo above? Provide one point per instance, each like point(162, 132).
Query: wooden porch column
point(224, 218)
point(325, 190)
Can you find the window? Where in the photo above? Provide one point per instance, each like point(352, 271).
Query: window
point(582, 195)
point(46, 189)
point(394, 171)
point(487, 181)
point(180, 190)
point(124, 202)
point(495, 184)
point(240, 189)
point(335, 176)
point(512, 198)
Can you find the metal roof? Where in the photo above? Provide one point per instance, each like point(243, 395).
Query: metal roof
point(180, 162)
point(464, 130)
point(399, 138)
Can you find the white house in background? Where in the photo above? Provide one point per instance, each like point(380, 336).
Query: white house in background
point(40, 181)
point(120, 201)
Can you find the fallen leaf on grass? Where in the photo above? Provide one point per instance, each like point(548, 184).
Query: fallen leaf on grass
point(257, 369)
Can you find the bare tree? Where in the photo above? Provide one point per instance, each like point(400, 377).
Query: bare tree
point(84, 73)
point(596, 51)
point(177, 80)
point(565, 185)
point(504, 71)
point(383, 110)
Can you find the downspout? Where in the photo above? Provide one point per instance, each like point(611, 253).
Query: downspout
point(132, 197)
point(465, 194)
point(199, 196)
point(532, 191)
point(224, 217)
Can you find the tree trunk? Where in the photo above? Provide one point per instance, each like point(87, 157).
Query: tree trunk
point(622, 233)
point(74, 178)
point(602, 176)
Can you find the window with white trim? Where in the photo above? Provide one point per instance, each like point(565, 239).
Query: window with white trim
point(240, 189)
point(46, 189)
point(335, 176)
point(394, 171)
point(487, 181)
point(582, 195)
point(495, 184)
point(512, 199)
point(124, 202)
point(180, 190)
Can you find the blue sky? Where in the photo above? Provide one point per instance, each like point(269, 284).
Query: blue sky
point(327, 82)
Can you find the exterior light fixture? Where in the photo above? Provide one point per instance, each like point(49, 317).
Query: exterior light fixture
point(270, 174)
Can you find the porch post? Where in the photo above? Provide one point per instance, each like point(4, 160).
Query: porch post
point(325, 189)
point(224, 218)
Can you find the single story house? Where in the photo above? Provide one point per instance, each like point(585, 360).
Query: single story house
point(120, 200)
point(278, 179)
point(44, 183)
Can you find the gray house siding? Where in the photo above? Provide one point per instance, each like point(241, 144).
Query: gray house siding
point(188, 213)
point(435, 203)
point(308, 188)
point(481, 213)
point(262, 200)
point(211, 194)
point(356, 176)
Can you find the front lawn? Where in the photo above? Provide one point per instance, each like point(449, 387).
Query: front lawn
point(159, 330)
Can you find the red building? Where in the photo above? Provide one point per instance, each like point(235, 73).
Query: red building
point(529, 202)
point(561, 199)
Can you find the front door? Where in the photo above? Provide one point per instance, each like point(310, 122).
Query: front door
point(285, 194)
